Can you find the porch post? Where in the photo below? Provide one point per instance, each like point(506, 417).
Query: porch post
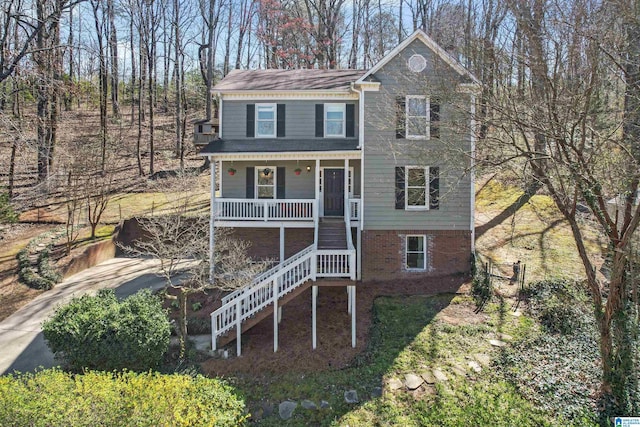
point(275, 315)
point(281, 243)
point(316, 212)
point(212, 218)
point(353, 316)
point(359, 252)
point(314, 299)
point(347, 210)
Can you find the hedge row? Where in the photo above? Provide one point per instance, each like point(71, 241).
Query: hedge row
point(35, 279)
point(55, 398)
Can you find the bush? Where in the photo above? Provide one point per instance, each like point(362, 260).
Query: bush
point(100, 332)
point(54, 398)
point(560, 305)
point(45, 270)
point(7, 214)
point(28, 276)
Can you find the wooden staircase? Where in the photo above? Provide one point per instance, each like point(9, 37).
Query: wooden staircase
point(263, 314)
point(332, 234)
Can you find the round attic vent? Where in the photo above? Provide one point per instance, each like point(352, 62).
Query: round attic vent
point(417, 63)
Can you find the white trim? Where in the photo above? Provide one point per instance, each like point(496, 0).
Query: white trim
point(427, 117)
point(343, 110)
point(424, 38)
point(288, 95)
point(219, 116)
point(424, 252)
point(274, 108)
point(256, 186)
point(289, 155)
point(264, 224)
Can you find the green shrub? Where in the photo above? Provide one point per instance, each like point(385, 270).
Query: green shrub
point(28, 276)
point(560, 305)
point(54, 398)
point(7, 214)
point(100, 332)
point(45, 270)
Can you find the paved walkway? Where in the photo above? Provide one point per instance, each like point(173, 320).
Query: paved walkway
point(22, 345)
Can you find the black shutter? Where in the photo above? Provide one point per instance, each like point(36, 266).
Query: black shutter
point(434, 118)
point(251, 183)
point(319, 120)
point(251, 120)
point(350, 121)
point(280, 132)
point(280, 183)
point(434, 187)
point(400, 187)
point(400, 117)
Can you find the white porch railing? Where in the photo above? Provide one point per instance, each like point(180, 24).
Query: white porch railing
point(336, 263)
point(354, 209)
point(265, 209)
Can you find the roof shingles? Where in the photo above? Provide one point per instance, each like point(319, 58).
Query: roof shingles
point(304, 79)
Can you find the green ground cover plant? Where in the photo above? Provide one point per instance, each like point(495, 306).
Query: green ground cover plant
point(53, 398)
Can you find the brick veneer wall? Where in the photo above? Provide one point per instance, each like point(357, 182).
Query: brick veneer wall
point(265, 242)
point(448, 252)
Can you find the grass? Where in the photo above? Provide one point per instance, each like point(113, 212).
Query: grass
point(536, 234)
point(408, 336)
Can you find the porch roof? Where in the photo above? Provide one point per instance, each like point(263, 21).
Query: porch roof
point(225, 146)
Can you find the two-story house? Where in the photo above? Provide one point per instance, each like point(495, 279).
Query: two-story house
point(345, 175)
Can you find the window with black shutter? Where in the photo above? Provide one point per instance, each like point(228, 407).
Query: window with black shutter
point(417, 187)
point(400, 117)
point(399, 187)
point(281, 133)
point(434, 187)
point(434, 118)
point(351, 121)
point(320, 120)
point(251, 120)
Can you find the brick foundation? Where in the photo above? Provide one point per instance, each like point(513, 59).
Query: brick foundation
point(265, 242)
point(448, 252)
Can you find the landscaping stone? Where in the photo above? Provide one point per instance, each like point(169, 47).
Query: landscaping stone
point(324, 405)
point(395, 384)
point(497, 343)
point(267, 409)
point(505, 337)
point(483, 359)
point(351, 396)
point(428, 377)
point(475, 366)
point(307, 404)
point(376, 392)
point(412, 381)
point(516, 313)
point(286, 408)
point(459, 370)
point(439, 376)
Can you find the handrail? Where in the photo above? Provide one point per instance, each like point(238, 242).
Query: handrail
point(265, 209)
point(266, 274)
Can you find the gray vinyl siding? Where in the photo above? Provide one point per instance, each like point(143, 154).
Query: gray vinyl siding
point(299, 122)
point(383, 151)
point(296, 186)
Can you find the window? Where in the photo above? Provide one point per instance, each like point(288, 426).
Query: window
point(416, 187)
point(417, 63)
point(415, 252)
point(334, 120)
point(417, 117)
point(266, 120)
point(266, 182)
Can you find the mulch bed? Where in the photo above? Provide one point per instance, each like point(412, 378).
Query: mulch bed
point(334, 350)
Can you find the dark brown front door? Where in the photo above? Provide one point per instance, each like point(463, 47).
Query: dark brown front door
point(333, 192)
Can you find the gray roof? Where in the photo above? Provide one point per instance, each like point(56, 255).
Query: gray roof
point(305, 79)
point(278, 145)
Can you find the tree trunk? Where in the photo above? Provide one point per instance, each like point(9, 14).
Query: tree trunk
point(113, 50)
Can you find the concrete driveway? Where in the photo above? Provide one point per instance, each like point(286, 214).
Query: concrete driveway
point(22, 345)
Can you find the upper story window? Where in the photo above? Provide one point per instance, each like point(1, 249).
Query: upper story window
point(334, 120)
point(417, 117)
point(265, 120)
point(417, 187)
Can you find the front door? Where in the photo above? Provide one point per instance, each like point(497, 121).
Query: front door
point(333, 192)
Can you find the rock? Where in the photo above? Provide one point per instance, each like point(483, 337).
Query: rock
point(483, 359)
point(324, 405)
point(286, 408)
point(307, 404)
point(497, 343)
point(351, 396)
point(516, 313)
point(395, 384)
point(428, 377)
point(376, 392)
point(439, 376)
point(412, 381)
point(267, 409)
point(475, 366)
point(459, 370)
point(505, 337)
